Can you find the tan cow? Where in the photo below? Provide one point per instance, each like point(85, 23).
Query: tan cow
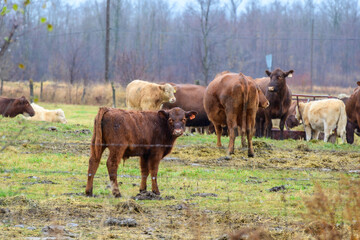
point(42, 114)
point(142, 95)
point(324, 115)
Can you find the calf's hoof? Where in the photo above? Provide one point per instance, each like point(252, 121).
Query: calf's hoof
point(117, 195)
point(156, 192)
point(251, 154)
point(142, 190)
point(88, 193)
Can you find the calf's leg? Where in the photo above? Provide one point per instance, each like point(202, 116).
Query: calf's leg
point(93, 166)
point(218, 130)
point(154, 167)
point(144, 168)
point(308, 133)
point(112, 166)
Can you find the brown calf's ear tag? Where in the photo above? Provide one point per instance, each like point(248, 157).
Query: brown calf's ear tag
point(290, 75)
point(174, 91)
point(192, 117)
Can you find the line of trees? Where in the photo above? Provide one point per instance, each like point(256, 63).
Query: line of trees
point(153, 40)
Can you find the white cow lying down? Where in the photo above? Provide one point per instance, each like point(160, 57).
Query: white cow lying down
point(42, 114)
point(323, 115)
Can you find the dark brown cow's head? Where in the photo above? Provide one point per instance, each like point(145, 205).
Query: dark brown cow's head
point(176, 119)
point(278, 79)
point(263, 102)
point(22, 106)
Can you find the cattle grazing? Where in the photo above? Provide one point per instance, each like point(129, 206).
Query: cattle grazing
point(147, 134)
point(142, 95)
point(279, 96)
point(42, 114)
point(11, 107)
point(190, 97)
point(323, 115)
point(353, 114)
point(233, 99)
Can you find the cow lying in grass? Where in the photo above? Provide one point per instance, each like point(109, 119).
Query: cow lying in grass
point(42, 114)
point(11, 107)
point(147, 134)
point(323, 115)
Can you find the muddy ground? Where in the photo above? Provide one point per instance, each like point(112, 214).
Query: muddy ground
point(74, 216)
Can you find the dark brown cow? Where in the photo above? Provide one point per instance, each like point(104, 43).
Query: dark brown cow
point(233, 99)
point(353, 114)
point(190, 97)
point(147, 134)
point(11, 107)
point(291, 120)
point(279, 96)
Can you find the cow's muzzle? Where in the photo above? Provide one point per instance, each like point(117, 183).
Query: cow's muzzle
point(172, 100)
point(271, 89)
point(267, 104)
point(177, 132)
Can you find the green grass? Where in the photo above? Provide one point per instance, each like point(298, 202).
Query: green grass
point(242, 184)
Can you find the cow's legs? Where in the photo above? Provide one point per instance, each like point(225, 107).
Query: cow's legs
point(93, 166)
point(268, 126)
point(315, 134)
point(218, 130)
point(112, 166)
point(327, 132)
point(249, 133)
point(144, 167)
point(350, 127)
point(308, 133)
point(281, 126)
point(232, 127)
point(154, 167)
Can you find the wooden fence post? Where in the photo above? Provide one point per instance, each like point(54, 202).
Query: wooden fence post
point(41, 90)
point(113, 92)
point(31, 83)
point(2, 85)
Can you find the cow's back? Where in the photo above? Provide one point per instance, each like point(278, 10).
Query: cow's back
point(327, 110)
point(190, 97)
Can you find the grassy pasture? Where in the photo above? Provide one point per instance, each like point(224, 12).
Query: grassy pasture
point(206, 195)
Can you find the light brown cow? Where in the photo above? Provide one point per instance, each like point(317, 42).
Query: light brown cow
point(323, 115)
point(142, 95)
point(147, 134)
point(233, 99)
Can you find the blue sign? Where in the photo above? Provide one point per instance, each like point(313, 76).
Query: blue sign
point(268, 61)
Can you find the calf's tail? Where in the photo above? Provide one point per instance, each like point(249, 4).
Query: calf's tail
point(97, 140)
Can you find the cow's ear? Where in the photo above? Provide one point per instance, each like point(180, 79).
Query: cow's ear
point(163, 113)
point(268, 72)
point(190, 114)
point(358, 83)
point(162, 87)
point(289, 73)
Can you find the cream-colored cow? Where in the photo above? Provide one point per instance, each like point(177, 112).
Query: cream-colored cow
point(42, 114)
point(142, 95)
point(324, 115)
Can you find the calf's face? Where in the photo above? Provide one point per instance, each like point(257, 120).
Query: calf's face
point(169, 92)
point(277, 79)
point(176, 119)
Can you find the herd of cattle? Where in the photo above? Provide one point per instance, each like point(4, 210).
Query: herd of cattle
point(158, 113)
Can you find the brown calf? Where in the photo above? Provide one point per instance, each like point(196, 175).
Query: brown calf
point(11, 107)
point(233, 99)
point(147, 134)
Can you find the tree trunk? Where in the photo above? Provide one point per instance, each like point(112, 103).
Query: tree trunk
point(113, 92)
point(31, 84)
point(107, 41)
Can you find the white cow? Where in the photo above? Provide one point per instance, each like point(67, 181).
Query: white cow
point(142, 95)
point(323, 115)
point(42, 114)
